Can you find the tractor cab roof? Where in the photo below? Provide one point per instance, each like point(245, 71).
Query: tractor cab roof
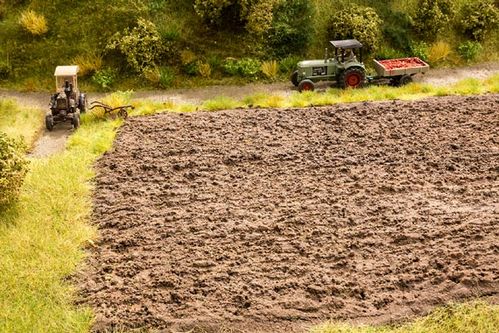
point(347, 44)
point(66, 70)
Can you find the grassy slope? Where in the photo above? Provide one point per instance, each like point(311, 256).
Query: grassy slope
point(19, 121)
point(98, 20)
point(42, 237)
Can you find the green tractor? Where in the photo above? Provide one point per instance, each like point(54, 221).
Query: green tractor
point(346, 68)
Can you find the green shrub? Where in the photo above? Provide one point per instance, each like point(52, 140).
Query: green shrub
point(362, 23)
point(249, 67)
point(5, 69)
point(288, 64)
point(254, 15)
point(211, 10)
point(479, 18)
point(389, 53)
point(104, 78)
point(166, 77)
point(396, 30)
point(13, 168)
point(290, 30)
point(246, 67)
point(431, 17)
point(469, 50)
point(230, 66)
point(142, 46)
point(215, 62)
point(420, 50)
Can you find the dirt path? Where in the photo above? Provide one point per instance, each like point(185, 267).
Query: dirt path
point(272, 220)
point(54, 142)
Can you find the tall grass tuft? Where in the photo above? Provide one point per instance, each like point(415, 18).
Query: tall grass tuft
point(34, 23)
point(88, 63)
point(270, 69)
point(439, 52)
point(220, 103)
point(204, 69)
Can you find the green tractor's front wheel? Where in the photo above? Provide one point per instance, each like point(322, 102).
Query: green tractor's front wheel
point(306, 85)
point(294, 79)
point(352, 78)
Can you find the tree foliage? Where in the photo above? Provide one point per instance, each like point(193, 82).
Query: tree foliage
point(142, 46)
point(290, 29)
point(432, 16)
point(361, 23)
point(479, 18)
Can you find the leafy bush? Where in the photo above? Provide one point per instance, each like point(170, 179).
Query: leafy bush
point(259, 16)
point(142, 46)
point(104, 78)
point(189, 62)
point(166, 77)
point(479, 18)
point(254, 15)
point(469, 50)
point(389, 53)
point(211, 10)
point(246, 67)
point(5, 69)
point(431, 17)
point(288, 64)
point(361, 23)
point(230, 66)
point(439, 52)
point(34, 23)
point(290, 29)
point(270, 69)
point(13, 168)
point(420, 50)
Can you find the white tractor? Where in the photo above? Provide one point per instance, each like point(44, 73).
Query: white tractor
point(68, 102)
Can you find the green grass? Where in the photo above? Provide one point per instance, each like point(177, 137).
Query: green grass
point(43, 235)
point(472, 317)
point(17, 121)
point(331, 96)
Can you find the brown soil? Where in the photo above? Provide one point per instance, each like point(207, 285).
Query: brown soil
point(272, 220)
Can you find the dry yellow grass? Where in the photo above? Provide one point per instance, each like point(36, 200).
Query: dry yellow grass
point(34, 23)
point(439, 52)
point(88, 63)
point(270, 69)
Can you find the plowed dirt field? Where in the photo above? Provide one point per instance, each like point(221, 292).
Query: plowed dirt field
point(273, 220)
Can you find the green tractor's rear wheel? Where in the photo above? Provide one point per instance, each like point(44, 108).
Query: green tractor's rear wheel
point(306, 85)
point(294, 79)
point(352, 78)
point(49, 122)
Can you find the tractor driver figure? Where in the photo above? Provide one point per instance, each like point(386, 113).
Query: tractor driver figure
point(349, 55)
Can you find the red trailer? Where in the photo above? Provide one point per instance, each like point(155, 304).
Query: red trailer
point(398, 71)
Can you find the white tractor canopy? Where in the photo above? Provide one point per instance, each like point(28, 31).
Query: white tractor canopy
point(66, 73)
